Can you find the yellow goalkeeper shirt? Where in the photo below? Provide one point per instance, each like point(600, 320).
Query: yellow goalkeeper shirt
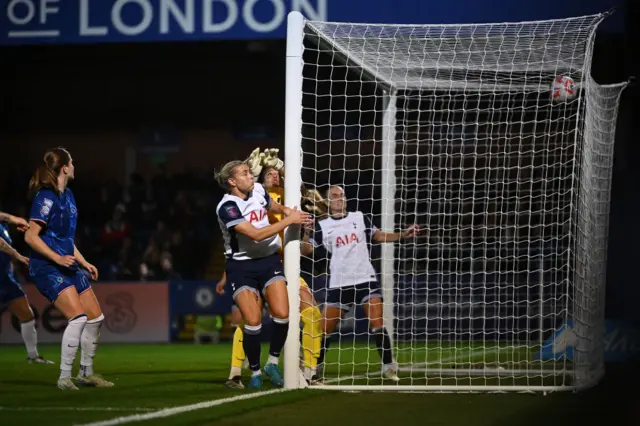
point(277, 194)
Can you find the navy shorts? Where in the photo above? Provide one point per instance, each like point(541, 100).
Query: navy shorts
point(346, 297)
point(10, 289)
point(51, 281)
point(254, 274)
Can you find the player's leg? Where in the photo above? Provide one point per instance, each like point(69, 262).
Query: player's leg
point(247, 300)
point(337, 303)
point(310, 316)
point(20, 308)
point(237, 351)
point(90, 334)
point(68, 302)
point(372, 306)
point(276, 295)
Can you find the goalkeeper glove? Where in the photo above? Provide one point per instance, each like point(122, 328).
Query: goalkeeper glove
point(313, 202)
point(255, 162)
point(271, 159)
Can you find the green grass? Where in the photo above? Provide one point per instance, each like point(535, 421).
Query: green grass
point(152, 377)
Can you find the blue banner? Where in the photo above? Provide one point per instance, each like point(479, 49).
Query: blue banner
point(95, 21)
point(621, 343)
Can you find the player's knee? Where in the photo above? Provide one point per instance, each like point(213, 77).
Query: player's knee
point(280, 312)
point(253, 320)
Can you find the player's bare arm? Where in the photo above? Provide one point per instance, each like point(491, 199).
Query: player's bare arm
point(83, 262)
point(390, 237)
point(296, 217)
point(277, 208)
point(222, 283)
point(19, 222)
point(33, 240)
point(6, 248)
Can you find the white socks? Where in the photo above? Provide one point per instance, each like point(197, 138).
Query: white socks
point(235, 371)
point(89, 342)
point(70, 343)
point(30, 337)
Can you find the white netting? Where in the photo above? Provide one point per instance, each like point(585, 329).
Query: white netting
point(463, 56)
point(511, 187)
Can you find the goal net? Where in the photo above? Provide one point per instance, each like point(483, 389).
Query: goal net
point(454, 128)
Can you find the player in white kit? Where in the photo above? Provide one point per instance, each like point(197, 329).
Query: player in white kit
point(352, 279)
point(253, 268)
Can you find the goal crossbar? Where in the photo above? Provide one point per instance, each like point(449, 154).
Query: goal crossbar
point(430, 55)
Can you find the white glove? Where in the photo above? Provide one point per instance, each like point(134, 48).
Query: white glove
point(255, 162)
point(271, 159)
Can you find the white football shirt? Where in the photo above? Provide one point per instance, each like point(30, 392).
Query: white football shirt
point(234, 210)
point(346, 240)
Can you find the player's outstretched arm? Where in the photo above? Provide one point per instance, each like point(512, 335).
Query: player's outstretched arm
point(19, 222)
point(296, 217)
point(390, 237)
point(277, 208)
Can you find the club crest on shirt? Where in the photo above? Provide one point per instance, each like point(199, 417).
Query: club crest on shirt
point(74, 211)
point(46, 207)
point(232, 211)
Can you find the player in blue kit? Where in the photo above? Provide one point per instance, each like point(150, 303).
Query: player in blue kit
point(56, 266)
point(253, 268)
point(12, 296)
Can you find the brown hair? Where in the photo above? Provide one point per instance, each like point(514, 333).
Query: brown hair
point(263, 173)
point(46, 175)
point(226, 173)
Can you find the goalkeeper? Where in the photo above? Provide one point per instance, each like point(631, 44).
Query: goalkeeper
point(269, 170)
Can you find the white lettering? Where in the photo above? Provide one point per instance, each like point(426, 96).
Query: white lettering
point(275, 22)
point(305, 7)
point(46, 10)
point(85, 28)
point(16, 20)
point(116, 17)
point(208, 26)
point(184, 19)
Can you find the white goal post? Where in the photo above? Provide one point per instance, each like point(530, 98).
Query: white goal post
point(455, 128)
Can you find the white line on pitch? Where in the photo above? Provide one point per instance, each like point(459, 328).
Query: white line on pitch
point(471, 354)
point(29, 34)
point(132, 409)
point(181, 409)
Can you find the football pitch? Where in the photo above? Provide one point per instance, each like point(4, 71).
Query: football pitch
point(183, 384)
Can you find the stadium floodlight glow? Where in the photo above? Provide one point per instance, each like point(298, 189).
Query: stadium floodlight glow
point(455, 128)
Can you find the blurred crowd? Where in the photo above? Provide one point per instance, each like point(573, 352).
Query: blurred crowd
point(160, 229)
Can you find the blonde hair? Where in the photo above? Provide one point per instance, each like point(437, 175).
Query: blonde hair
point(226, 173)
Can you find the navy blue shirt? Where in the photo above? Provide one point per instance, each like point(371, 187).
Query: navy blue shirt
point(58, 216)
